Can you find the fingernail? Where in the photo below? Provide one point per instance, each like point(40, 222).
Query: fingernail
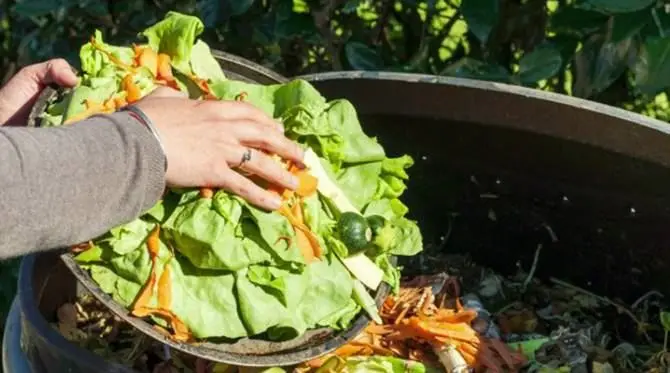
point(294, 182)
point(274, 202)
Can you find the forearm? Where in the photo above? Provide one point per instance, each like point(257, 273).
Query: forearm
point(61, 186)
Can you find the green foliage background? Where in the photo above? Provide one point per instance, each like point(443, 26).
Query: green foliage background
point(611, 51)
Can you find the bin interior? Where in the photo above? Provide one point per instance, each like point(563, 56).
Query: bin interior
point(500, 170)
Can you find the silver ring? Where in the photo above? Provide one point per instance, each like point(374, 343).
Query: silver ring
point(246, 157)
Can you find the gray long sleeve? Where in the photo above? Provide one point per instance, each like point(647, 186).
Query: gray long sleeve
point(66, 185)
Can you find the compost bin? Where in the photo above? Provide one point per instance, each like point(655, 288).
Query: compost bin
point(499, 170)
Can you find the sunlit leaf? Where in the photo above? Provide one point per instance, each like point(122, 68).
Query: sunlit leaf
point(362, 57)
point(481, 16)
point(542, 63)
point(238, 7)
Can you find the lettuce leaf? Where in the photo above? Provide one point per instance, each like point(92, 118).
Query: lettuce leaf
point(96, 63)
point(203, 64)
point(237, 271)
point(175, 36)
point(386, 364)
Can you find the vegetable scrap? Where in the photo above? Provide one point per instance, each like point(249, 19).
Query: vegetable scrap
point(441, 323)
point(204, 264)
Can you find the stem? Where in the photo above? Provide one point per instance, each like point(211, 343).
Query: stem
point(665, 341)
point(657, 21)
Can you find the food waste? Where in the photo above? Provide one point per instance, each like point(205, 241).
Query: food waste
point(203, 264)
point(465, 319)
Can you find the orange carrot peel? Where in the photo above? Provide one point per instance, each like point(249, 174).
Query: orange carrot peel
point(157, 63)
point(141, 307)
point(414, 326)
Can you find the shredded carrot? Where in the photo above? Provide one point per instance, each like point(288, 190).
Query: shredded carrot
point(120, 102)
point(415, 323)
point(304, 244)
point(153, 246)
point(307, 183)
point(206, 192)
point(164, 68)
point(469, 353)
point(132, 90)
point(204, 86)
point(149, 59)
point(298, 225)
point(164, 293)
point(109, 105)
point(141, 306)
point(111, 57)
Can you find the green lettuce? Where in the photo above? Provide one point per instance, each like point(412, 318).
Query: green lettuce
point(386, 364)
point(104, 66)
point(175, 36)
point(236, 270)
point(376, 364)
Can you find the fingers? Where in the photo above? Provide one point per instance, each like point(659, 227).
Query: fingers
point(248, 190)
point(237, 110)
point(255, 136)
point(56, 71)
point(262, 165)
point(20, 92)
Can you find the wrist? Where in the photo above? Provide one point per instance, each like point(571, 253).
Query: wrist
point(141, 117)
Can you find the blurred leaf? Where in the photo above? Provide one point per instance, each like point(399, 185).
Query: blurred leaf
point(351, 6)
point(653, 29)
point(620, 6)
point(475, 69)
point(238, 7)
point(481, 16)
point(419, 59)
point(566, 45)
point(599, 63)
point(209, 11)
point(37, 8)
point(542, 63)
point(626, 25)
point(362, 57)
point(97, 8)
point(575, 21)
point(665, 320)
point(652, 68)
point(289, 24)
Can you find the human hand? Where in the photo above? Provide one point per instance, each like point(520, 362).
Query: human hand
point(19, 94)
point(206, 141)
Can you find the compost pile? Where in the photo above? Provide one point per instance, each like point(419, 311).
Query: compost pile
point(466, 316)
point(204, 264)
